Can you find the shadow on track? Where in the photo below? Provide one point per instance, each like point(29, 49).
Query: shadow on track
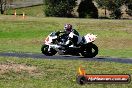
point(41, 56)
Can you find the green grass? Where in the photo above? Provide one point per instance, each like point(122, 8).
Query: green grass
point(29, 11)
point(27, 35)
point(45, 73)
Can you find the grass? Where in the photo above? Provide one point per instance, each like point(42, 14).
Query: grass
point(46, 73)
point(27, 35)
point(30, 11)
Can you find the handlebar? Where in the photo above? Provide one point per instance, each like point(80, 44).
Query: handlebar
point(58, 32)
point(61, 31)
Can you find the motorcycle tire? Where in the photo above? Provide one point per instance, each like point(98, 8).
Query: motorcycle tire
point(45, 51)
point(90, 51)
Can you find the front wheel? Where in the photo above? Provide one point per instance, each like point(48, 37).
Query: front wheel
point(45, 51)
point(90, 51)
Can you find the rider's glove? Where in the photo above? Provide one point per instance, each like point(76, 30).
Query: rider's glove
point(58, 32)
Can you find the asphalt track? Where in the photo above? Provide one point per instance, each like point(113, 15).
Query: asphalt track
point(41, 56)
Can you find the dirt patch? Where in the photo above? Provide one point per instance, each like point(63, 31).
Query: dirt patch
point(4, 68)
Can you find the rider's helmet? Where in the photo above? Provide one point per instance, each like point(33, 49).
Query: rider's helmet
point(68, 28)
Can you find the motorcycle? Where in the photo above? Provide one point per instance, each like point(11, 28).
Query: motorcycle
point(56, 43)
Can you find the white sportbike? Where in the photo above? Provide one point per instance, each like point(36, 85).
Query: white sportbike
point(77, 45)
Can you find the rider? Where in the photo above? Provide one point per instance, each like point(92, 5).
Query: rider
point(67, 30)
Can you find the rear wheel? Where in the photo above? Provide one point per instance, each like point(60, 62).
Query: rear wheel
point(45, 51)
point(90, 51)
